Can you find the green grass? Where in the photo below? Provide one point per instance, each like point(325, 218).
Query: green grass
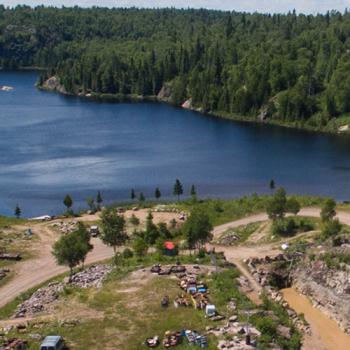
point(222, 211)
point(8, 221)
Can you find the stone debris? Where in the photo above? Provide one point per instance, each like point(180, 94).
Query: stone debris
point(3, 273)
point(65, 226)
point(6, 256)
point(229, 239)
point(284, 331)
point(234, 328)
point(13, 344)
point(244, 284)
point(43, 298)
point(40, 301)
point(93, 276)
point(235, 344)
point(69, 322)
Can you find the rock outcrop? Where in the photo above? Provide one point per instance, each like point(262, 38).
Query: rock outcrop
point(54, 84)
point(328, 289)
point(165, 94)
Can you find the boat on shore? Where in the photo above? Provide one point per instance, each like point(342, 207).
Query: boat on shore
point(6, 88)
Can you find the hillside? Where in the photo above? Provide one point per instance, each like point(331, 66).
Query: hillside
point(292, 69)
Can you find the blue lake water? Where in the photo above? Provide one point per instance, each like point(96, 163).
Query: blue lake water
point(51, 145)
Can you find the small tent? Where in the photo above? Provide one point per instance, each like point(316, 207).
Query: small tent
point(170, 248)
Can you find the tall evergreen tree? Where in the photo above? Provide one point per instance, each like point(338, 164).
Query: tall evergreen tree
point(68, 202)
point(178, 189)
point(18, 211)
point(157, 193)
point(99, 200)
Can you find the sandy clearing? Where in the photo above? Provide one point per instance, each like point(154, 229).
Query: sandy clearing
point(141, 214)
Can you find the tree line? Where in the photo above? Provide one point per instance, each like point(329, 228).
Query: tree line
point(287, 67)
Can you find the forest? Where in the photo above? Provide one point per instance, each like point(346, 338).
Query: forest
point(292, 68)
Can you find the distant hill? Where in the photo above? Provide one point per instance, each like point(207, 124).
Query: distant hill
point(290, 68)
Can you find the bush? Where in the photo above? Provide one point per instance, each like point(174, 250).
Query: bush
point(134, 220)
point(201, 253)
point(284, 227)
point(127, 253)
point(331, 228)
point(140, 246)
point(290, 226)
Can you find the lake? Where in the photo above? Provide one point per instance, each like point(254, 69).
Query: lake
point(52, 145)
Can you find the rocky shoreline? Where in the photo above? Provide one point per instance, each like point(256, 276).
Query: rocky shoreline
point(165, 95)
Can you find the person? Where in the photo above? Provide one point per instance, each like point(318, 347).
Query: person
point(165, 301)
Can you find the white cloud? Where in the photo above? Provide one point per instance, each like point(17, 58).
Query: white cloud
point(305, 6)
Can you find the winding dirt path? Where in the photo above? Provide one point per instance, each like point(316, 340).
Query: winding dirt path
point(42, 267)
point(344, 218)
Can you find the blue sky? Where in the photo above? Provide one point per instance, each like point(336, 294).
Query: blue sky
point(305, 6)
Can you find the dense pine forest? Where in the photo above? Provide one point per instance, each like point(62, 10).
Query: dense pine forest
point(291, 68)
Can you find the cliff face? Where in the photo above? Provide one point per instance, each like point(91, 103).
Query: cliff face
point(166, 93)
point(328, 289)
point(54, 84)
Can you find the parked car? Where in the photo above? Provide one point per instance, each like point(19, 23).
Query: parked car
point(52, 342)
point(94, 231)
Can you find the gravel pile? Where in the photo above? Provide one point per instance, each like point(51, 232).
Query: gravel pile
point(40, 301)
point(66, 226)
point(91, 277)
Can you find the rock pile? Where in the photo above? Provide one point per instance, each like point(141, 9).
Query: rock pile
point(244, 284)
point(93, 276)
point(230, 239)
point(40, 301)
point(66, 226)
point(234, 328)
point(13, 344)
point(235, 344)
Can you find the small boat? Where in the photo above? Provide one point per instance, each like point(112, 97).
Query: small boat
point(6, 88)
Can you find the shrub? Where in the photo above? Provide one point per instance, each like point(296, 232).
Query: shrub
point(134, 220)
point(127, 253)
point(331, 228)
point(284, 227)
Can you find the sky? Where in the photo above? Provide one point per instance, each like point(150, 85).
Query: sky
point(280, 6)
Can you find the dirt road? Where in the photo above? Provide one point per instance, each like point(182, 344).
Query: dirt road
point(33, 272)
point(36, 271)
point(344, 218)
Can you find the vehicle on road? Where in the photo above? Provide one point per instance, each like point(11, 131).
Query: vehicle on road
point(52, 342)
point(94, 231)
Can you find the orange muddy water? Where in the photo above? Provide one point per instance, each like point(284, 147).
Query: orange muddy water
point(326, 335)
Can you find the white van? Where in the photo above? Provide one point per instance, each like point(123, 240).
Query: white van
point(52, 342)
point(94, 231)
